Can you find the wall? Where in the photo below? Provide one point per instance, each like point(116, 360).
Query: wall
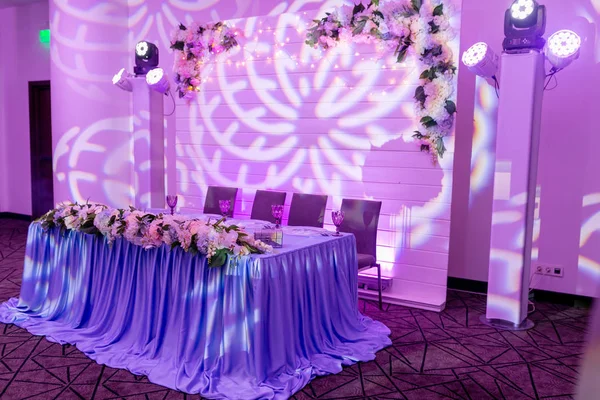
point(22, 59)
point(284, 122)
point(91, 118)
point(567, 225)
point(282, 116)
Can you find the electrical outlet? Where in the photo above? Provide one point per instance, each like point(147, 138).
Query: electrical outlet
point(549, 270)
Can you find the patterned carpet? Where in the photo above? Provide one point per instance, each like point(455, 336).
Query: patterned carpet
point(447, 355)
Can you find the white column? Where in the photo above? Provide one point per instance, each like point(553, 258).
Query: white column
point(148, 146)
point(517, 144)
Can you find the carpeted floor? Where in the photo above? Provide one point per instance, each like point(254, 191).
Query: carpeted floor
point(447, 355)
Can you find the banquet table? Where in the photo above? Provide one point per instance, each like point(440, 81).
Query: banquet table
point(260, 327)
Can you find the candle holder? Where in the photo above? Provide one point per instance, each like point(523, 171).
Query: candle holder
point(272, 237)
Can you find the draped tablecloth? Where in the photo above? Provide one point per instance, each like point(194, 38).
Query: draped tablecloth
point(260, 328)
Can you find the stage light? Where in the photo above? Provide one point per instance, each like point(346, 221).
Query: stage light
point(563, 48)
point(157, 80)
point(522, 9)
point(121, 79)
point(146, 57)
point(481, 60)
point(524, 26)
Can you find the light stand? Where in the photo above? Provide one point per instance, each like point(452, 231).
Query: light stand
point(522, 87)
point(517, 144)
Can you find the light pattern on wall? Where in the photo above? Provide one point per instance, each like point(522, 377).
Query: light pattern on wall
point(276, 114)
point(272, 114)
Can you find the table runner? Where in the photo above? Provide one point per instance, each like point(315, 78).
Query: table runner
point(259, 329)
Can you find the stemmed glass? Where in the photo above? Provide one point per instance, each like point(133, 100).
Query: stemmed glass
point(277, 213)
point(172, 202)
point(224, 207)
point(338, 218)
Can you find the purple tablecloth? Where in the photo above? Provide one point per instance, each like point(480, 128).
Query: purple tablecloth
point(259, 329)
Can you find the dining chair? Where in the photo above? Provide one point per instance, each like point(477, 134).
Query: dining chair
point(263, 200)
point(361, 218)
point(216, 193)
point(307, 210)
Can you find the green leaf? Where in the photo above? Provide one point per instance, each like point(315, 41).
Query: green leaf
point(416, 4)
point(428, 122)
point(375, 2)
point(439, 10)
point(359, 26)
point(179, 45)
point(429, 74)
point(358, 8)
point(437, 50)
point(418, 135)
point(219, 259)
point(433, 27)
point(402, 54)
point(420, 95)
point(450, 107)
point(439, 146)
point(252, 249)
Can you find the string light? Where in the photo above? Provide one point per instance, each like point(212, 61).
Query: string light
point(277, 49)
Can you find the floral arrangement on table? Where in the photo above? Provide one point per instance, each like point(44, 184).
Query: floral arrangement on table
point(401, 26)
point(216, 241)
point(194, 46)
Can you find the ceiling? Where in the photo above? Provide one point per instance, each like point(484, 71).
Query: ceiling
point(12, 3)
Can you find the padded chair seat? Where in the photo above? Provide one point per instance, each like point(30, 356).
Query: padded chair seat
point(365, 260)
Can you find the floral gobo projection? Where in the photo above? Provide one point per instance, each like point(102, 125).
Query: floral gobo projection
point(403, 26)
point(217, 241)
point(194, 46)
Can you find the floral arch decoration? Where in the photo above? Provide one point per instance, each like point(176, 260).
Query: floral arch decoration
point(195, 45)
point(400, 26)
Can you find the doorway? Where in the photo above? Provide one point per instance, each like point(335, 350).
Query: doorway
point(40, 134)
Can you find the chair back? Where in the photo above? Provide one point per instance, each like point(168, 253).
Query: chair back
point(307, 210)
point(216, 193)
point(361, 217)
point(263, 200)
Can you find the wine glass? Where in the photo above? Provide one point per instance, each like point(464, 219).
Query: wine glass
point(338, 218)
point(172, 202)
point(224, 207)
point(277, 213)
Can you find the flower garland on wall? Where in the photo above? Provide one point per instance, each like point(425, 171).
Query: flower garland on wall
point(217, 241)
point(195, 46)
point(400, 26)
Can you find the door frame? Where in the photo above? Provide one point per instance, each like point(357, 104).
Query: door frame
point(34, 132)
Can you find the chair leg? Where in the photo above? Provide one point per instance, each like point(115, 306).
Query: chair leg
point(379, 286)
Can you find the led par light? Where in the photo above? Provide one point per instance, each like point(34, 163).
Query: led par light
point(121, 79)
point(146, 57)
point(481, 60)
point(524, 26)
point(563, 48)
point(157, 80)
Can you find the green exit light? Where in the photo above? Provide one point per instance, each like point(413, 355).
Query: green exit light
point(45, 36)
